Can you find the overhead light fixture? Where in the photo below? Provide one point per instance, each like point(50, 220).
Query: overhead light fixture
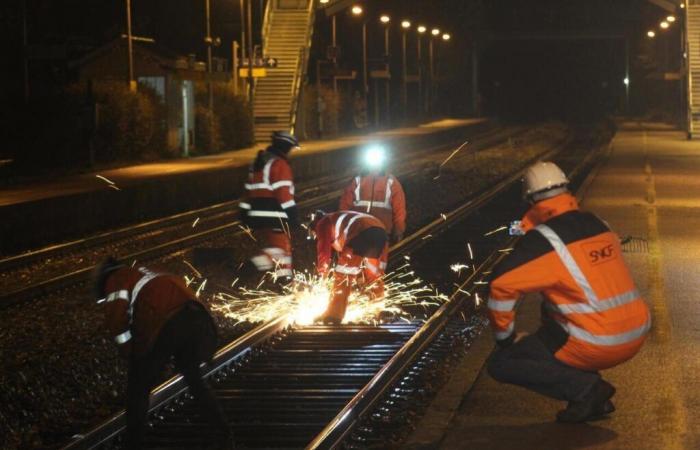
point(422, 29)
point(323, 1)
point(651, 33)
point(664, 25)
point(385, 19)
point(406, 24)
point(435, 31)
point(671, 19)
point(446, 37)
point(357, 10)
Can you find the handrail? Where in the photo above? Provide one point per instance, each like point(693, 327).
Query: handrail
point(267, 22)
point(301, 68)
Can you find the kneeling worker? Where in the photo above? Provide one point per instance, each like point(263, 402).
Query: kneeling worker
point(593, 317)
point(361, 243)
point(152, 317)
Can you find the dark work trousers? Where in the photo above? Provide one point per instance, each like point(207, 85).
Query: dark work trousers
point(189, 336)
point(531, 364)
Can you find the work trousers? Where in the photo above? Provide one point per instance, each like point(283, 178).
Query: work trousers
point(190, 338)
point(531, 364)
point(275, 254)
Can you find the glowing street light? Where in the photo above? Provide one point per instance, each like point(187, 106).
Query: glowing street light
point(435, 31)
point(626, 81)
point(422, 29)
point(357, 10)
point(671, 19)
point(651, 33)
point(682, 5)
point(446, 37)
point(385, 19)
point(664, 25)
point(405, 24)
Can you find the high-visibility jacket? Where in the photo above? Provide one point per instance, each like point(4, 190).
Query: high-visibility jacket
point(270, 193)
point(335, 230)
point(138, 303)
point(594, 316)
point(379, 195)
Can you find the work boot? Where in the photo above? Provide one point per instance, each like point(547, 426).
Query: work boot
point(594, 405)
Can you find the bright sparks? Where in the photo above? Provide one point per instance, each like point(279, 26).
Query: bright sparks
point(307, 298)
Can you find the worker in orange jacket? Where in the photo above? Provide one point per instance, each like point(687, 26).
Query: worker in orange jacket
point(361, 243)
point(152, 317)
point(269, 208)
point(377, 193)
point(593, 317)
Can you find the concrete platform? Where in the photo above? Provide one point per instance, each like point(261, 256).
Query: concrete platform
point(46, 210)
point(649, 188)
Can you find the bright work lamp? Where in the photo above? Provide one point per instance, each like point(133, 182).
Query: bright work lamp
point(375, 156)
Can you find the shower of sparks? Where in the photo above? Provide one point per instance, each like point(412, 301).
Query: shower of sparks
point(196, 272)
point(458, 268)
point(457, 150)
point(307, 298)
point(471, 254)
point(477, 299)
point(234, 282)
point(496, 230)
point(196, 221)
point(427, 236)
point(247, 231)
point(201, 288)
point(481, 282)
point(444, 217)
point(506, 250)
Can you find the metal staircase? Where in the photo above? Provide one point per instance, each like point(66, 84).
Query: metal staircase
point(287, 30)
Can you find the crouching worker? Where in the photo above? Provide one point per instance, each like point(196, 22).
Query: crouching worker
point(153, 317)
point(361, 243)
point(593, 317)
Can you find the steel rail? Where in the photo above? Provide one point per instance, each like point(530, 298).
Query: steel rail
point(52, 284)
point(171, 389)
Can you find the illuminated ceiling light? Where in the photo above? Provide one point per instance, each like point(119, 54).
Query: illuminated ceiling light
point(671, 19)
point(422, 29)
point(651, 33)
point(357, 10)
point(406, 24)
point(446, 37)
point(435, 31)
point(385, 19)
point(664, 25)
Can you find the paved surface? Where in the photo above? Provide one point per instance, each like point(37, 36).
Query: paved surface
point(649, 188)
point(125, 176)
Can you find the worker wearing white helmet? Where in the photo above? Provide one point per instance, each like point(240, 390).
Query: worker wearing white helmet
point(593, 317)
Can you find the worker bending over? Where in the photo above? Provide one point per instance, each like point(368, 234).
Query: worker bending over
point(152, 317)
point(269, 208)
point(361, 243)
point(593, 317)
point(377, 193)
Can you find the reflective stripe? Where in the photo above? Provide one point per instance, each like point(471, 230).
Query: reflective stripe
point(347, 227)
point(262, 262)
point(118, 295)
point(606, 339)
point(348, 270)
point(280, 184)
point(254, 186)
point(363, 203)
point(337, 226)
point(123, 338)
point(147, 276)
point(288, 204)
point(599, 306)
point(387, 198)
point(568, 262)
point(243, 205)
point(358, 181)
point(372, 268)
point(257, 213)
point(501, 335)
point(266, 172)
point(382, 265)
point(501, 305)
point(373, 204)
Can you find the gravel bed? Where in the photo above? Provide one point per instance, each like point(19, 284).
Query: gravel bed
point(61, 372)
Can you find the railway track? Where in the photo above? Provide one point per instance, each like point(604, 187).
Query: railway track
point(177, 233)
point(317, 387)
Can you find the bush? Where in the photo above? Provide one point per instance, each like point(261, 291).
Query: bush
point(232, 125)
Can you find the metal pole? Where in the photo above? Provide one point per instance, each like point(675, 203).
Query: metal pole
point(210, 92)
point(404, 88)
point(130, 46)
point(388, 80)
point(364, 60)
point(243, 31)
point(420, 73)
point(251, 87)
point(686, 73)
point(432, 75)
point(475, 79)
point(334, 36)
point(335, 56)
point(234, 66)
point(627, 77)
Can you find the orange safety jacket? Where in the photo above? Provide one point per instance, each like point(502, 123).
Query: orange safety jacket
point(594, 317)
point(270, 193)
point(335, 230)
point(138, 303)
point(379, 195)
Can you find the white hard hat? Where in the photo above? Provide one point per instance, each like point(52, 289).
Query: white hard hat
point(544, 180)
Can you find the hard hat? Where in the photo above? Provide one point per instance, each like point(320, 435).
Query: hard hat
point(543, 180)
point(374, 157)
point(284, 140)
point(100, 274)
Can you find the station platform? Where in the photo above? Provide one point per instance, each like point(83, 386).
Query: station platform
point(649, 189)
point(33, 213)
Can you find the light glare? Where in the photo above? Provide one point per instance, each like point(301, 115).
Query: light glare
point(357, 10)
point(435, 31)
point(446, 37)
point(664, 24)
point(422, 29)
point(406, 24)
point(375, 156)
point(385, 19)
point(651, 33)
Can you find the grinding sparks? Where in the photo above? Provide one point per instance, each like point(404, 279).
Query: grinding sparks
point(458, 268)
point(450, 157)
point(469, 248)
point(196, 221)
point(496, 230)
point(247, 231)
point(307, 298)
point(109, 182)
point(444, 217)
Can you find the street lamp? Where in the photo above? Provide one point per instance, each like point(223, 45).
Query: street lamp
point(431, 93)
point(421, 31)
point(357, 10)
point(435, 31)
point(323, 2)
point(385, 20)
point(664, 25)
point(671, 19)
point(405, 26)
point(446, 37)
point(651, 33)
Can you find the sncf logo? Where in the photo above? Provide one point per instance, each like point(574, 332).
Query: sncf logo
point(599, 252)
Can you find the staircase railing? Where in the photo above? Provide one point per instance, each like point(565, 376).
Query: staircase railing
point(267, 23)
point(302, 62)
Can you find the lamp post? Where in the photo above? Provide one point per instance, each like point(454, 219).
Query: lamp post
point(386, 20)
point(405, 26)
point(421, 94)
point(251, 85)
point(130, 47)
point(434, 32)
point(357, 12)
point(208, 40)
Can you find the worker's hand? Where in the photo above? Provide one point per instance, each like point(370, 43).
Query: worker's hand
point(520, 336)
